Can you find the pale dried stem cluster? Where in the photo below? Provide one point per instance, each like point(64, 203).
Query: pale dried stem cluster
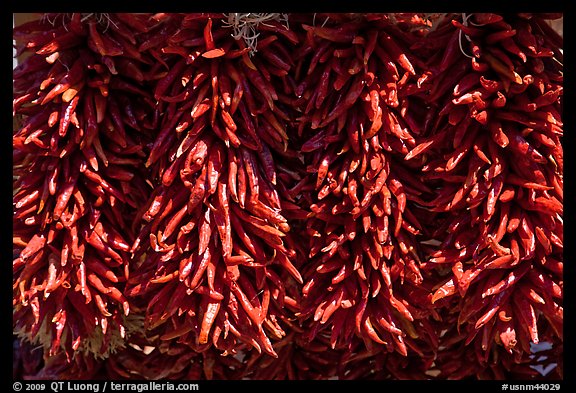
point(102, 19)
point(245, 26)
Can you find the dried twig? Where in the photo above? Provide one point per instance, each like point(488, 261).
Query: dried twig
point(245, 26)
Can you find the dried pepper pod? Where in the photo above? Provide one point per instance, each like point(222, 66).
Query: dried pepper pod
point(79, 180)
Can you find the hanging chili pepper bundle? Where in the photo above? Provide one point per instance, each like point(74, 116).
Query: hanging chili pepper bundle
point(494, 149)
point(364, 257)
point(362, 233)
point(79, 178)
point(220, 248)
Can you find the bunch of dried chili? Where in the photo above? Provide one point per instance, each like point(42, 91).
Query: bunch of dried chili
point(364, 258)
point(215, 247)
point(493, 151)
point(79, 177)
